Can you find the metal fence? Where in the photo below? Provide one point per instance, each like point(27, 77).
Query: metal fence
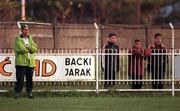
point(87, 40)
point(84, 35)
point(123, 80)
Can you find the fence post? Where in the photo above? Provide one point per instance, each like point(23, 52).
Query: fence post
point(101, 35)
point(173, 32)
point(97, 58)
point(5, 35)
point(146, 35)
point(54, 35)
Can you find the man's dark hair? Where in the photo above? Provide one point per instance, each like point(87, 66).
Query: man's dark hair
point(157, 35)
point(23, 26)
point(137, 40)
point(112, 34)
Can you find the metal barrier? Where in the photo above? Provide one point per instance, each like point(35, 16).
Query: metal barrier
point(84, 35)
point(155, 77)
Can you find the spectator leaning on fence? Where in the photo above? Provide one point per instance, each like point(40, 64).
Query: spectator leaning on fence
point(136, 64)
point(157, 63)
point(111, 60)
point(24, 61)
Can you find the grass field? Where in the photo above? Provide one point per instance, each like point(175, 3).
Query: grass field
point(90, 104)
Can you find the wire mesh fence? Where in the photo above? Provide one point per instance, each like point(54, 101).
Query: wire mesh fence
point(84, 35)
point(75, 39)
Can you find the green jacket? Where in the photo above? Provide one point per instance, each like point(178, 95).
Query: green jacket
point(21, 52)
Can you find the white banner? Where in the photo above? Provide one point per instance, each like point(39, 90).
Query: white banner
point(177, 69)
point(52, 68)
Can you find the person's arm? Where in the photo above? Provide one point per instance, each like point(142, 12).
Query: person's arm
point(19, 46)
point(147, 52)
point(103, 58)
point(33, 46)
point(165, 57)
point(137, 52)
point(118, 61)
point(130, 62)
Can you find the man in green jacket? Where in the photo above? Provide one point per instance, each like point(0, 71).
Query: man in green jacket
point(25, 48)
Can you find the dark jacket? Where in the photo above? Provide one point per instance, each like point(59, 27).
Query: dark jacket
point(158, 62)
point(111, 62)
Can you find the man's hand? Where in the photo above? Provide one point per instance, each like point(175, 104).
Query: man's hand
point(27, 46)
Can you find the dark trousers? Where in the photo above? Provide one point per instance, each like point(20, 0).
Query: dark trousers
point(157, 75)
point(21, 72)
point(136, 84)
point(109, 75)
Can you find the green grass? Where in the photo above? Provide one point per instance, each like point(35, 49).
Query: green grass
point(90, 104)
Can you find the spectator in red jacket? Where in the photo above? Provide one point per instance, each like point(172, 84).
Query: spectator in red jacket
point(136, 64)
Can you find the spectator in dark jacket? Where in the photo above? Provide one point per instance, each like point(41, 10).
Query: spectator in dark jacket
point(111, 63)
point(157, 62)
point(136, 64)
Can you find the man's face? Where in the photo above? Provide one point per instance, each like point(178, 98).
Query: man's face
point(137, 45)
point(158, 40)
point(25, 31)
point(112, 39)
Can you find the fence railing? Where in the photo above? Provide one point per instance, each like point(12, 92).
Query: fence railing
point(120, 71)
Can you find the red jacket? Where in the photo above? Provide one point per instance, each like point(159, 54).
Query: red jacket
point(136, 61)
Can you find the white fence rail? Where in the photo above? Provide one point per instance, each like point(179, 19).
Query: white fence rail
point(119, 71)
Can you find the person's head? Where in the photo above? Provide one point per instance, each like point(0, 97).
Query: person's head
point(25, 30)
point(157, 39)
point(137, 43)
point(112, 38)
